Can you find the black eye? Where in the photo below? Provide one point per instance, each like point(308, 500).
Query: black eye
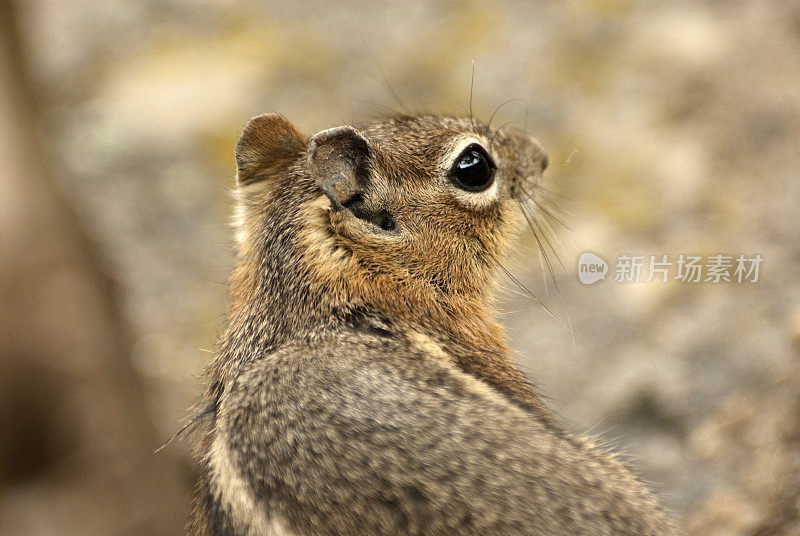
point(473, 170)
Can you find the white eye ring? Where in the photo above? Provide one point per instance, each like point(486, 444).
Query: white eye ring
point(471, 197)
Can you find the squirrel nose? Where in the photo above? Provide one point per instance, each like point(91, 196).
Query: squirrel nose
point(544, 159)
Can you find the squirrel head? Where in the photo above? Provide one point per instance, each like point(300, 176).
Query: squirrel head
point(422, 203)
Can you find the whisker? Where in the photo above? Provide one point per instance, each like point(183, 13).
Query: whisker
point(471, 86)
point(543, 256)
point(547, 228)
point(380, 76)
point(489, 124)
point(186, 428)
point(549, 214)
point(547, 191)
point(525, 289)
point(512, 291)
point(496, 132)
point(547, 205)
point(544, 232)
point(519, 284)
point(544, 275)
point(393, 94)
point(528, 192)
point(531, 196)
point(543, 224)
point(548, 194)
point(542, 251)
point(551, 181)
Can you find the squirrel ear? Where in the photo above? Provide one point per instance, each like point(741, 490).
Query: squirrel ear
point(266, 147)
point(338, 161)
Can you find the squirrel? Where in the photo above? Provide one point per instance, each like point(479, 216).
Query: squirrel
point(362, 385)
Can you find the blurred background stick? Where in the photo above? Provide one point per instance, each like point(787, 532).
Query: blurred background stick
point(76, 442)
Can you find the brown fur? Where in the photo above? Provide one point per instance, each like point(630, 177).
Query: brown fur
point(362, 385)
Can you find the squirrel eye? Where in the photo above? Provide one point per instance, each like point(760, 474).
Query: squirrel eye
point(473, 170)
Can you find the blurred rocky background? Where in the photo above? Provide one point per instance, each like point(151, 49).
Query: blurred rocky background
point(673, 129)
